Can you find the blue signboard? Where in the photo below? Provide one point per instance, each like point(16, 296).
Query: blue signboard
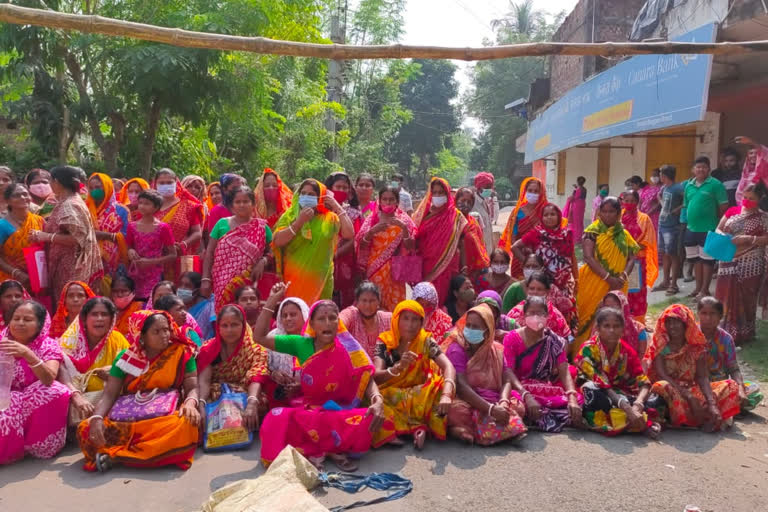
point(644, 93)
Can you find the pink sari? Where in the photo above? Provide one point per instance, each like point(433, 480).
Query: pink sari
point(36, 421)
point(647, 196)
point(574, 210)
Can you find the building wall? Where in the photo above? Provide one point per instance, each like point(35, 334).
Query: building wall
point(690, 15)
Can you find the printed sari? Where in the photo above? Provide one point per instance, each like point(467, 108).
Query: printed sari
point(641, 228)
point(80, 358)
point(59, 324)
point(721, 358)
point(124, 316)
point(439, 233)
point(437, 321)
point(483, 371)
point(17, 241)
point(475, 254)
point(519, 223)
point(181, 217)
point(555, 320)
point(537, 367)
point(375, 259)
point(35, 422)
point(556, 249)
point(613, 248)
point(648, 194)
point(681, 368)
point(282, 204)
point(411, 398)
point(332, 418)
point(161, 441)
point(345, 274)
point(109, 217)
point(236, 253)
point(122, 196)
point(574, 210)
point(307, 261)
point(353, 320)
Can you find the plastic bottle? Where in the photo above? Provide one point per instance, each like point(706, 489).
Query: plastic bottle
point(7, 366)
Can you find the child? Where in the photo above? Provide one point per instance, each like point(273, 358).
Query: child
point(150, 243)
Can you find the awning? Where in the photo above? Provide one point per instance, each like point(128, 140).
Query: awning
point(644, 93)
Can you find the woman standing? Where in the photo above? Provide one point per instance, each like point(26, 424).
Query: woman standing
point(436, 321)
point(229, 183)
point(639, 225)
point(182, 212)
point(440, 227)
point(235, 255)
point(7, 178)
point(129, 196)
point(73, 297)
point(606, 244)
point(416, 379)
point(195, 185)
point(38, 182)
point(365, 186)
point(739, 281)
point(649, 196)
point(158, 358)
point(575, 208)
point(273, 197)
point(364, 320)
point(214, 196)
point(526, 216)
point(345, 276)
point(473, 257)
point(35, 421)
point(553, 243)
point(484, 412)
point(677, 356)
point(384, 234)
point(110, 220)
point(305, 241)
point(15, 230)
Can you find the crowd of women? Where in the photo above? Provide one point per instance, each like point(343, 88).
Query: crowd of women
point(126, 308)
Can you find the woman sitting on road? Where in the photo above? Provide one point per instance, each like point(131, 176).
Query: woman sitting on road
point(504, 324)
point(284, 387)
point(123, 297)
point(11, 293)
point(461, 297)
point(364, 320)
point(539, 284)
point(73, 296)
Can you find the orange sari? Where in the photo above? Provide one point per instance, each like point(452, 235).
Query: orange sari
point(121, 324)
point(106, 217)
point(13, 248)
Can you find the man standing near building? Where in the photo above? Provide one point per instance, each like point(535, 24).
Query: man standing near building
point(486, 206)
point(705, 201)
point(729, 173)
point(406, 202)
point(670, 230)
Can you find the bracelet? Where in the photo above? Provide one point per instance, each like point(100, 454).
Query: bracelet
point(95, 416)
point(490, 409)
point(504, 401)
point(375, 396)
point(389, 371)
point(13, 274)
point(642, 406)
point(201, 401)
point(252, 398)
point(39, 363)
point(265, 308)
point(197, 402)
point(618, 404)
point(572, 392)
point(524, 394)
point(290, 228)
point(452, 383)
point(75, 392)
point(114, 237)
point(607, 275)
point(53, 237)
point(206, 279)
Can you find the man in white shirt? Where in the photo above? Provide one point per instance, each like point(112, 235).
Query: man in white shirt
point(406, 202)
point(486, 206)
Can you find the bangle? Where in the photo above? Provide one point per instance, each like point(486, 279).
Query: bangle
point(75, 392)
point(618, 404)
point(490, 409)
point(375, 396)
point(95, 416)
point(524, 394)
point(13, 274)
point(53, 237)
point(504, 401)
point(206, 279)
point(39, 362)
point(606, 276)
point(265, 308)
point(290, 228)
point(389, 371)
point(252, 398)
point(197, 402)
point(642, 405)
point(452, 383)
point(572, 392)
point(201, 401)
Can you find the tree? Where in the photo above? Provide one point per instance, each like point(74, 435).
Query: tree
point(522, 18)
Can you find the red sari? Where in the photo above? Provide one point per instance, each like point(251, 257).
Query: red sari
point(183, 216)
point(519, 223)
point(282, 204)
point(639, 225)
point(475, 253)
point(235, 255)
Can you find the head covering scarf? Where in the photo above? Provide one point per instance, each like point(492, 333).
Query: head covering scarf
point(491, 298)
point(510, 233)
point(696, 342)
point(554, 245)
point(426, 291)
point(457, 334)
point(284, 197)
point(632, 327)
point(249, 359)
point(208, 200)
point(134, 361)
point(107, 218)
point(59, 322)
point(74, 342)
point(122, 196)
point(192, 178)
point(391, 338)
point(280, 328)
point(484, 180)
point(226, 179)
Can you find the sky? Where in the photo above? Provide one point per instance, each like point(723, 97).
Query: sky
point(462, 23)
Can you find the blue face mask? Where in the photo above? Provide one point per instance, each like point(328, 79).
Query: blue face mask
point(307, 201)
point(486, 193)
point(474, 336)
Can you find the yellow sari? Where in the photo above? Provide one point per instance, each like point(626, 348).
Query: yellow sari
point(81, 359)
point(411, 398)
point(613, 248)
point(13, 248)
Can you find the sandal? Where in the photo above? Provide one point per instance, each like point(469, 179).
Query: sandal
point(103, 463)
point(673, 290)
point(660, 287)
point(343, 462)
point(419, 437)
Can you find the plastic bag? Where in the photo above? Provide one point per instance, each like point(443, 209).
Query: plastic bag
point(224, 423)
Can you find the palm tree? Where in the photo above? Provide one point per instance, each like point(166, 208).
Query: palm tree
point(522, 19)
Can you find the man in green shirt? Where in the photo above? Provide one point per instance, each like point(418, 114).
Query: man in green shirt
point(704, 203)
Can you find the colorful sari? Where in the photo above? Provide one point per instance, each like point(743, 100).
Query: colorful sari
point(475, 254)
point(574, 210)
point(122, 196)
point(181, 217)
point(247, 364)
point(187, 181)
point(537, 367)
point(307, 261)
point(162, 441)
point(632, 328)
point(332, 418)
point(439, 233)
point(484, 374)
point(641, 228)
point(411, 398)
point(600, 371)
point(17, 241)
point(375, 258)
point(59, 324)
point(208, 201)
point(739, 281)
point(681, 368)
point(721, 358)
point(81, 262)
point(613, 248)
point(437, 321)
point(35, 422)
point(80, 358)
point(556, 248)
point(282, 204)
point(345, 274)
point(124, 316)
point(519, 223)
point(236, 253)
point(648, 194)
point(555, 320)
point(109, 217)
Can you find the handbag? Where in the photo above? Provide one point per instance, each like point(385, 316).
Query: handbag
point(37, 268)
point(80, 382)
point(141, 406)
point(407, 268)
point(720, 246)
point(224, 423)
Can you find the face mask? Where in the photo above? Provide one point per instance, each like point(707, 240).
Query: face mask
point(40, 190)
point(389, 209)
point(467, 296)
point(133, 197)
point(307, 201)
point(439, 201)
point(528, 272)
point(748, 204)
point(340, 196)
point(654, 179)
point(603, 193)
point(123, 302)
point(486, 193)
point(185, 294)
point(97, 195)
point(394, 184)
point(270, 194)
point(474, 336)
point(167, 189)
point(535, 322)
point(630, 207)
point(532, 197)
point(499, 268)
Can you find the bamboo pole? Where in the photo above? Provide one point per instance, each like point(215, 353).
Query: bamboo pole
point(190, 39)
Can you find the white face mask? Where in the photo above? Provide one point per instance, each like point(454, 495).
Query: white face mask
point(532, 197)
point(438, 201)
point(499, 269)
point(166, 189)
point(528, 272)
point(654, 179)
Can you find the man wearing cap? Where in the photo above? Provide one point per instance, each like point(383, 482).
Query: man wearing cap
point(486, 206)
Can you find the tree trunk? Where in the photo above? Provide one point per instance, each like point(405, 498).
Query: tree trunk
point(148, 145)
